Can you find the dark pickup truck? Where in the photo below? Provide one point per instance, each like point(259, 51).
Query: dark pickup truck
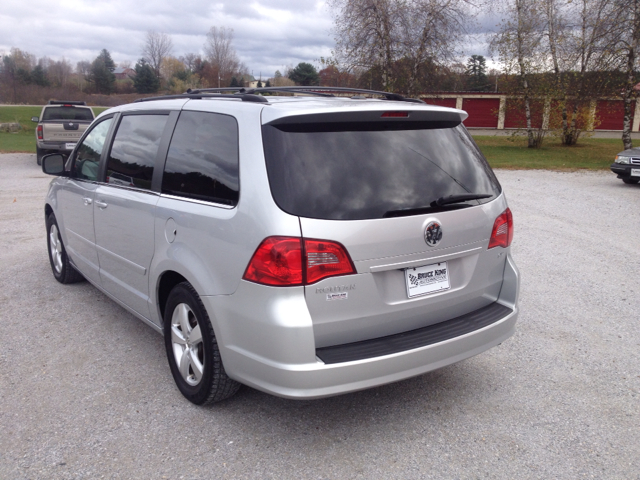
point(60, 126)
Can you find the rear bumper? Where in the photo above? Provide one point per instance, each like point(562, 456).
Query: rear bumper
point(268, 344)
point(624, 170)
point(55, 146)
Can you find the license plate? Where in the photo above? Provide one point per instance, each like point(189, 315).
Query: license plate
point(69, 146)
point(635, 172)
point(427, 279)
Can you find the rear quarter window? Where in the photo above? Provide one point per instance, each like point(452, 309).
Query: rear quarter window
point(202, 162)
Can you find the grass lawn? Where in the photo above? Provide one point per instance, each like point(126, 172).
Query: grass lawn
point(24, 140)
point(590, 153)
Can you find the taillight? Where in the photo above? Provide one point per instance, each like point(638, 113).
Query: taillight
point(502, 232)
point(292, 261)
point(39, 130)
point(326, 259)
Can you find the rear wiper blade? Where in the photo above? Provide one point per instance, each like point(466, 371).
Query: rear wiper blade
point(459, 198)
point(442, 204)
point(407, 212)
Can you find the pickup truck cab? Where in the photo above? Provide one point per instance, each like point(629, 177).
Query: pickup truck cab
point(60, 126)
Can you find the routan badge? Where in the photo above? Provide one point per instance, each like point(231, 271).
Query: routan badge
point(433, 234)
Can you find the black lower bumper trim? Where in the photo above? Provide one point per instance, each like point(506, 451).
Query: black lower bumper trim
point(421, 337)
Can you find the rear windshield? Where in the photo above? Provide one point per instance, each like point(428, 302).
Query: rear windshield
point(347, 172)
point(67, 113)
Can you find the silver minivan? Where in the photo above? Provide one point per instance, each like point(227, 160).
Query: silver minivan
point(305, 245)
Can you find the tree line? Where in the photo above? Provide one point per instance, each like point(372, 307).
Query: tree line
point(26, 79)
point(556, 57)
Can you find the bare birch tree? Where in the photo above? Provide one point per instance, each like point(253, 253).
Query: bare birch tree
point(591, 42)
point(518, 44)
point(630, 52)
point(397, 37)
point(220, 53)
point(156, 47)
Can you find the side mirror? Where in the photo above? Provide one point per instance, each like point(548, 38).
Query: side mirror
point(35, 119)
point(53, 164)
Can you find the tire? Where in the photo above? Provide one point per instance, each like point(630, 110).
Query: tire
point(631, 181)
point(39, 154)
point(61, 267)
point(192, 350)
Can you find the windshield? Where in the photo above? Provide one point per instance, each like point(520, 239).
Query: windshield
point(338, 172)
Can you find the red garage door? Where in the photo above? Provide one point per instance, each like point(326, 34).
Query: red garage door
point(515, 117)
point(483, 112)
point(610, 113)
point(441, 102)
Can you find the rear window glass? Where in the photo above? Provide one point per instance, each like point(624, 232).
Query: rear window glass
point(341, 172)
point(67, 113)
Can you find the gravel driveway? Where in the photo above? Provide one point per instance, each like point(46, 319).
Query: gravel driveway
point(86, 392)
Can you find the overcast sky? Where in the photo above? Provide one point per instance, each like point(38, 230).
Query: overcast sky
point(268, 35)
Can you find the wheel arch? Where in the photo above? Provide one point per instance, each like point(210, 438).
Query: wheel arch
point(166, 282)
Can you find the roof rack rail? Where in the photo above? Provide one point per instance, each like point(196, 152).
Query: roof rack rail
point(252, 91)
point(196, 95)
point(65, 102)
point(310, 90)
point(253, 94)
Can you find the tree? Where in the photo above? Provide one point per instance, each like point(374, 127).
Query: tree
point(221, 55)
point(16, 70)
point(259, 84)
point(83, 67)
point(518, 44)
point(395, 39)
point(59, 72)
point(591, 44)
point(101, 73)
point(39, 76)
point(629, 46)
point(171, 67)
point(156, 47)
point(190, 60)
point(305, 74)
point(145, 80)
point(268, 84)
point(477, 80)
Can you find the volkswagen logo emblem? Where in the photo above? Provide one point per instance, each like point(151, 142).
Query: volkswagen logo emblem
point(433, 234)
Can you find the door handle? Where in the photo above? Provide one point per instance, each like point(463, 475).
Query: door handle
point(101, 205)
point(87, 201)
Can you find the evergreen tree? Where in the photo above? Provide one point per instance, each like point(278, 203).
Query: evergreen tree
point(145, 80)
point(39, 76)
point(101, 73)
point(477, 80)
point(105, 57)
point(268, 84)
point(234, 82)
point(305, 74)
point(259, 84)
